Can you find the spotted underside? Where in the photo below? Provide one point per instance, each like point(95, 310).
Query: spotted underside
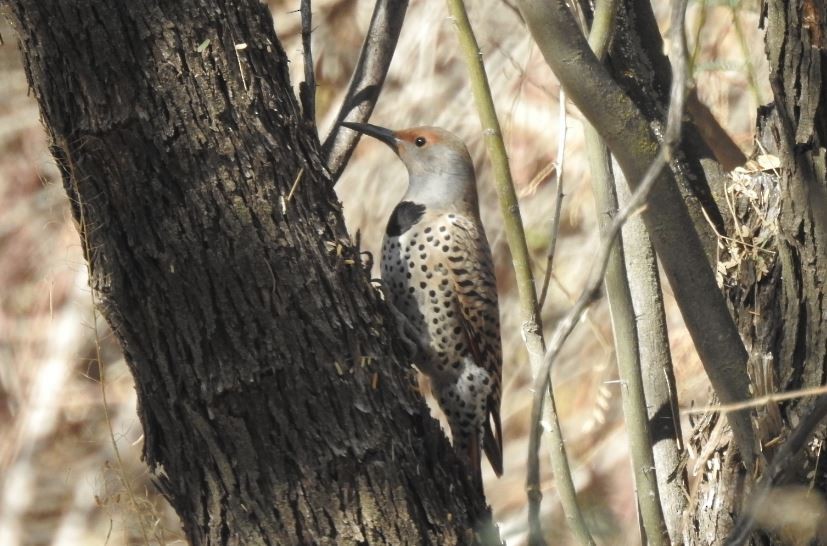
point(439, 273)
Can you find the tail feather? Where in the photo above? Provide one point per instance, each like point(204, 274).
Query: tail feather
point(492, 442)
point(475, 459)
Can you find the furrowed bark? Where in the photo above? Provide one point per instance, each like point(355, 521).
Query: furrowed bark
point(778, 292)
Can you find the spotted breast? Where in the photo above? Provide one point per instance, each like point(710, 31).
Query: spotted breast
point(439, 272)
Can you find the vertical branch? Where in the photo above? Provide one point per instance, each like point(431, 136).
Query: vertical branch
point(671, 227)
point(307, 88)
point(366, 82)
point(591, 292)
point(627, 349)
point(532, 329)
point(629, 325)
point(656, 367)
point(558, 198)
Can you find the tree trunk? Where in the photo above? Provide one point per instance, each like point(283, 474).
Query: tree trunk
point(778, 296)
point(276, 408)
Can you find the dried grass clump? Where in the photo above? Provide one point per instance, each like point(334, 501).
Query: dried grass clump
point(754, 200)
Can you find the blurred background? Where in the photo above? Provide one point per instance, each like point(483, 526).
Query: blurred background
point(70, 440)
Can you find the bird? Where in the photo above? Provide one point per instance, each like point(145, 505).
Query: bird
point(438, 271)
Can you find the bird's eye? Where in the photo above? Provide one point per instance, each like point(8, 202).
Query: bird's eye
point(420, 141)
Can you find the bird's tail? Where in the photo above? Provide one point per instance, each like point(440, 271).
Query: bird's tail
point(492, 442)
point(475, 460)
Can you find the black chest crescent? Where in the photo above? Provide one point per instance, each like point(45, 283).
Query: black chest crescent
point(405, 215)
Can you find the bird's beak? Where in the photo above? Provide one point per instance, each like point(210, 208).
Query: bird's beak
point(380, 133)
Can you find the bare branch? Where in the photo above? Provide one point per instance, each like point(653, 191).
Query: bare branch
point(307, 89)
point(670, 226)
point(558, 197)
point(532, 328)
point(656, 532)
point(656, 368)
point(600, 34)
point(758, 402)
point(589, 295)
point(366, 82)
point(624, 323)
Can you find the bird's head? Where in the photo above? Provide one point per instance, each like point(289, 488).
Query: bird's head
point(439, 167)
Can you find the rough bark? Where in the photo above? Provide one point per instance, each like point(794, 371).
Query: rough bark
point(778, 297)
point(276, 409)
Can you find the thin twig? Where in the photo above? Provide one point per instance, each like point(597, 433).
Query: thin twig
point(782, 459)
point(515, 234)
point(295, 185)
point(236, 48)
point(365, 83)
point(672, 230)
point(558, 197)
point(757, 402)
point(307, 89)
point(592, 290)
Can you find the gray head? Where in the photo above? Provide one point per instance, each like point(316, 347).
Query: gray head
point(440, 171)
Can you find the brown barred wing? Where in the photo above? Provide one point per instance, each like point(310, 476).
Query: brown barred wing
point(472, 270)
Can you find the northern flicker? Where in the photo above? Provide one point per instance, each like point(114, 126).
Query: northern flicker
point(438, 271)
